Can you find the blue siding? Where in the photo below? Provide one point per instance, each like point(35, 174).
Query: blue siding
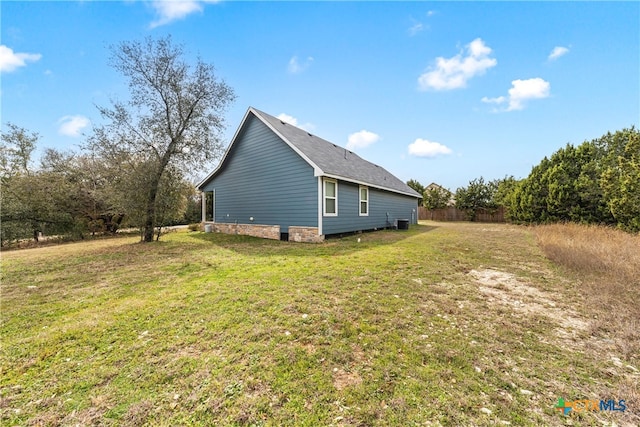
point(265, 179)
point(384, 208)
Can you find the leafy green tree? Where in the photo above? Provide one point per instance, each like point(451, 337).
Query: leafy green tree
point(621, 179)
point(173, 119)
point(504, 190)
point(134, 177)
point(478, 194)
point(73, 194)
point(16, 147)
point(416, 186)
point(595, 182)
point(65, 195)
point(91, 195)
point(591, 206)
point(562, 203)
point(28, 198)
point(193, 214)
point(34, 204)
point(529, 199)
point(173, 200)
point(436, 198)
point(574, 192)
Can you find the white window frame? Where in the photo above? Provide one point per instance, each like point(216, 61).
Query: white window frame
point(325, 197)
point(360, 188)
point(205, 207)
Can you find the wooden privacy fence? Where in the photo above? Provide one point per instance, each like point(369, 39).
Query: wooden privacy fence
point(455, 214)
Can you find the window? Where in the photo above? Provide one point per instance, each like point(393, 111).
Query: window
point(330, 197)
point(364, 201)
point(209, 206)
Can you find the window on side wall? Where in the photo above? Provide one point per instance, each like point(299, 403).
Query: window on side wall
point(364, 201)
point(330, 197)
point(209, 200)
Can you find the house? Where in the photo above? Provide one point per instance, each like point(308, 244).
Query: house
point(446, 194)
point(278, 181)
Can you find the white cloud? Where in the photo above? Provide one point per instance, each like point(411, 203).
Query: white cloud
point(453, 73)
point(72, 125)
point(521, 91)
point(361, 139)
point(296, 67)
point(424, 148)
point(415, 29)
point(10, 60)
point(288, 119)
point(498, 100)
point(293, 121)
point(557, 52)
point(172, 10)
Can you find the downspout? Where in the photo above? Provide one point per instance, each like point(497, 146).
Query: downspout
point(320, 206)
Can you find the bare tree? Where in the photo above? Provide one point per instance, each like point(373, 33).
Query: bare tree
point(174, 117)
point(16, 146)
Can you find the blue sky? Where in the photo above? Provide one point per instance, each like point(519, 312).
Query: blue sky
point(435, 91)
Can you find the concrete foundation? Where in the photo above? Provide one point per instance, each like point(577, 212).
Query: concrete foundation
point(304, 234)
point(256, 230)
point(296, 233)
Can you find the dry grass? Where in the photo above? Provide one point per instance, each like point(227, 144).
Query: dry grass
point(606, 263)
point(593, 250)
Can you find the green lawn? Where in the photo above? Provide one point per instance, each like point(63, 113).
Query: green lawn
point(444, 324)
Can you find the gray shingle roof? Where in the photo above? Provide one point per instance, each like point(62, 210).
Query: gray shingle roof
point(326, 158)
point(333, 160)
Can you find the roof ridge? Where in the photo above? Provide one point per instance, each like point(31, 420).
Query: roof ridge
point(325, 157)
point(316, 136)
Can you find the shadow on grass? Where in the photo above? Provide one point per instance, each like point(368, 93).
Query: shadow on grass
point(255, 246)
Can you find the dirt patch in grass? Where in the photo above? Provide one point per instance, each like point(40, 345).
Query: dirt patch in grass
point(343, 379)
point(505, 288)
point(138, 413)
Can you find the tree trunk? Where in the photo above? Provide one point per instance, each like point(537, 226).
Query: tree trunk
point(151, 211)
point(148, 223)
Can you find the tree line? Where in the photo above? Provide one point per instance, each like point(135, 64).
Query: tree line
point(478, 194)
point(77, 194)
point(130, 171)
point(596, 182)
